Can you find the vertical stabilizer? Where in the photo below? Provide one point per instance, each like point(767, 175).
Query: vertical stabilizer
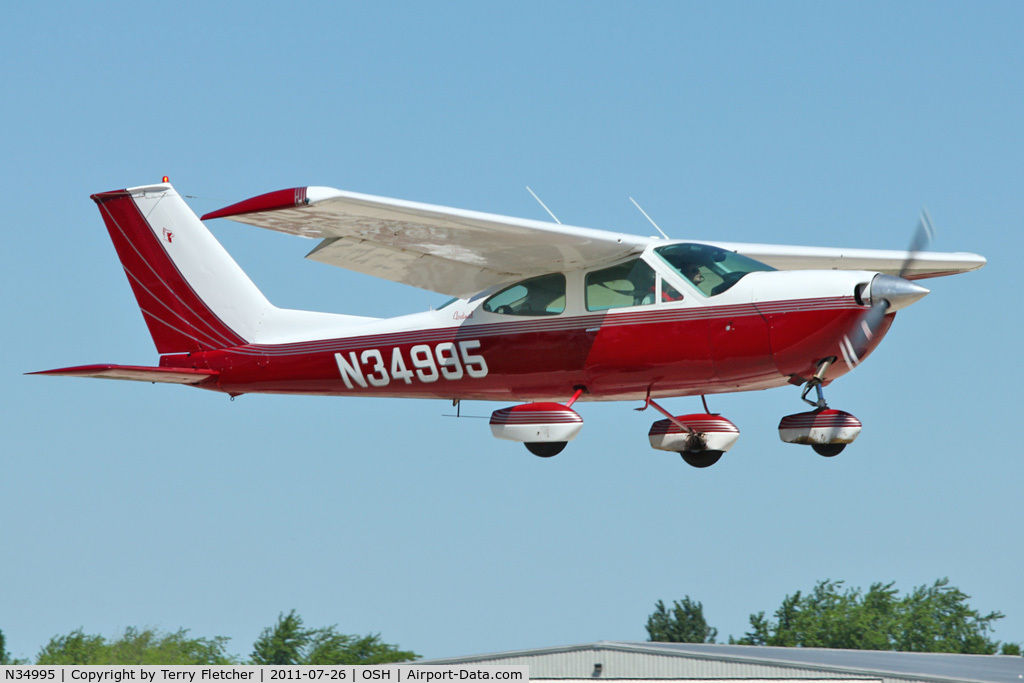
point(193, 295)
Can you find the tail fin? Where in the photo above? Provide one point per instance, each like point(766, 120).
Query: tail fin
point(193, 295)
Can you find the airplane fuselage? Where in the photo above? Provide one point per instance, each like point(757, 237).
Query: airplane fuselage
point(747, 340)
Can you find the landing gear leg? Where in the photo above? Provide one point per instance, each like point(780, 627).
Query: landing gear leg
point(816, 382)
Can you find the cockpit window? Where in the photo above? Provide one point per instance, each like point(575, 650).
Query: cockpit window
point(627, 284)
point(544, 295)
point(712, 270)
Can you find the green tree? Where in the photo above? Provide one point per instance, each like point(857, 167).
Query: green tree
point(937, 618)
point(685, 623)
point(134, 647)
point(282, 643)
point(288, 642)
point(932, 618)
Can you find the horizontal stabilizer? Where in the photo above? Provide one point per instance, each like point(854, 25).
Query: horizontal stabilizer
point(135, 373)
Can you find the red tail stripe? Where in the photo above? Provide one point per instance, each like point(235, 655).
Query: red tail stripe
point(158, 285)
point(212, 340)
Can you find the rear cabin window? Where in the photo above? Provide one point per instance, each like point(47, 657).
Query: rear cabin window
point(544, 295)
point(627, 284)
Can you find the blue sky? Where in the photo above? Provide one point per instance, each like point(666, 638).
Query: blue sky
point(828, 124)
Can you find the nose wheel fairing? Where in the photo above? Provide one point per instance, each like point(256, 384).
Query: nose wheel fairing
point(822, 426)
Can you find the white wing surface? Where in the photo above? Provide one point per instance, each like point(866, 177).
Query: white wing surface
point(925, 264)
point(441, 249)
point(460, 253)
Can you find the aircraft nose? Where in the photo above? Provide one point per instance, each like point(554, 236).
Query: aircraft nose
point(899, 293)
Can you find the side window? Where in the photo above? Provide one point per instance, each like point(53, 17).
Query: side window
point(627, 284)
point(544, 295)
point(669, 293)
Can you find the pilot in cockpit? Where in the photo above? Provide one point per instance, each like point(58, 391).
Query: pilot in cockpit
point(692, 273)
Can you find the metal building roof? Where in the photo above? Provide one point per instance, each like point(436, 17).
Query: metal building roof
point(695, 661)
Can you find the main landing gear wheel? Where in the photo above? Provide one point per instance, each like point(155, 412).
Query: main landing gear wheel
point(701, 458)
point(545, 449)
point(829, 450)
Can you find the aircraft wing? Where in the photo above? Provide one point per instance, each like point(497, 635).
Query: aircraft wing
point(440, 249)
point(460, 253)
point(925, 264)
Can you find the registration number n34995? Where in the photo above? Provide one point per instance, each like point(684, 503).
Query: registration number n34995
point(425, 363)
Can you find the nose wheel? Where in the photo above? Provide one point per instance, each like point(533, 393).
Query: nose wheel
point(824, 429)
point(828, 449)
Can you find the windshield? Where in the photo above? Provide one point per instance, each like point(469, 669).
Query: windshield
point(712, 270)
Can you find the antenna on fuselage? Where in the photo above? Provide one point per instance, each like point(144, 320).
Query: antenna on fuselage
point(649, 218)
point(543, 204)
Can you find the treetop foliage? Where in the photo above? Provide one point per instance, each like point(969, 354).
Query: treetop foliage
point(684, 624)
point(934, 618)
point(286, 642)
point(135, 647)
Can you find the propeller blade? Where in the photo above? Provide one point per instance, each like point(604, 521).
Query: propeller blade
point(854, 344)
point(923, 236)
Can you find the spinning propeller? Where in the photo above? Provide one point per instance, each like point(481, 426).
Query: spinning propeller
point(887, 293)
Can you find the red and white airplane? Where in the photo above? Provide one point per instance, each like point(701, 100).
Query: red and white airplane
point(543, 314)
